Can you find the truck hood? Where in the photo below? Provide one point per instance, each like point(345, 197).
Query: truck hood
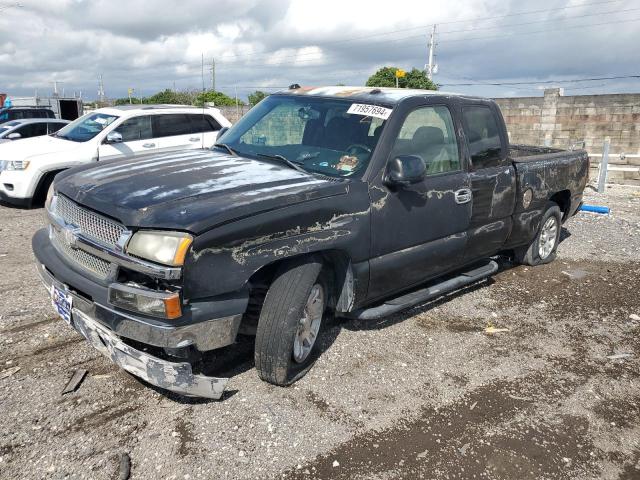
point(190, 190)
point(25, 148)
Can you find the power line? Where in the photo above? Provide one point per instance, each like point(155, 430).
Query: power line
point(596, 14)
point(542, 82)
point(514, 34)
point(422, 27)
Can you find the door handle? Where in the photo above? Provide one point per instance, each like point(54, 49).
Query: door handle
point(463, 196)
point(148, 145)
point(194, 139)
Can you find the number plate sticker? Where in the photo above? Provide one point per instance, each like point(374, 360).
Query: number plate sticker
point(62, 303)
point(369, 110)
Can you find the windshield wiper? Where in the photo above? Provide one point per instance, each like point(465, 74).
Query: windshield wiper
point(227, 148)
point(284, 160)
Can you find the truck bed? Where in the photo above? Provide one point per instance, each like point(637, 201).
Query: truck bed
point(546, 169)
point(528, 153)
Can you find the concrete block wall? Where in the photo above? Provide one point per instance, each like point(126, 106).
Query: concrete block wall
point(562, 121)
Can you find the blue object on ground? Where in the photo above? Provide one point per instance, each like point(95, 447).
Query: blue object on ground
point(595, 209)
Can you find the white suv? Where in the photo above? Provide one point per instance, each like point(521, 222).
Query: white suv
point(27, 166)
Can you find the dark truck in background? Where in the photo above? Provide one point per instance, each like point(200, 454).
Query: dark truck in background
point(356, 202)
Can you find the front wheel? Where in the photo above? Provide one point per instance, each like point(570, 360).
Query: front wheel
point(544, 245)
point(290, 322)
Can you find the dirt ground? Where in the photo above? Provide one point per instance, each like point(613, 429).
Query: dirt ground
point(424, 394)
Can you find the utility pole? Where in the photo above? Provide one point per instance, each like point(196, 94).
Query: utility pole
point(100, 89)
point(213, 74)
point(431, 67)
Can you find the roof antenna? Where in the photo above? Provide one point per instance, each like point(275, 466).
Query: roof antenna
point(203, 99)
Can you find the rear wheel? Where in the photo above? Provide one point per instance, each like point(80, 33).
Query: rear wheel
point(290, 322)
point(543, 247)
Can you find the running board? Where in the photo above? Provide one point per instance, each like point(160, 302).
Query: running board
point(417, 297)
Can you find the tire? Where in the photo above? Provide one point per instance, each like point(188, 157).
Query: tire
point(544, 245)
point(281, 356)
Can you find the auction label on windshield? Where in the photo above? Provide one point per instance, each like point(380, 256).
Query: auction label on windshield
point(369, 110)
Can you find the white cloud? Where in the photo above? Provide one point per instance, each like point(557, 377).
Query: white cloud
point(150, 45)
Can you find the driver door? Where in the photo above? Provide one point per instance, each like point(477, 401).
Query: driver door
point(419, 231)
point(137, 140)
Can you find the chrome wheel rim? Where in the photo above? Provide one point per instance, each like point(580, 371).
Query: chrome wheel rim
point(309, 324)
point(548, 237)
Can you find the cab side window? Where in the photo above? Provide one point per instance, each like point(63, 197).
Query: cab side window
point(171, 124)
point(483, 136)
point(32, 130)
point(136, 128)
point(428, 132)
point(203, 123)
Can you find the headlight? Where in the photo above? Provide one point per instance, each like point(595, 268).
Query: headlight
point(168, 248)
point(16, 164)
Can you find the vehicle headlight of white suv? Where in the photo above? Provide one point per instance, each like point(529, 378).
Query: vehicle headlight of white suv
point(10, 165)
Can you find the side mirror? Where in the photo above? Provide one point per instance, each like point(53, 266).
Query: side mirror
point(14, 136)
point(405, 170)
point(114, 137)
point(221, 132)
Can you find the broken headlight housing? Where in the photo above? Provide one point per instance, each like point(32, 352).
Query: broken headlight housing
point(167, 248)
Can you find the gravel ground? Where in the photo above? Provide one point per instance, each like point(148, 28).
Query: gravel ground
point(424, 394)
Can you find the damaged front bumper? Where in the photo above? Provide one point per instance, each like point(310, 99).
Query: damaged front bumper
point(173, 376)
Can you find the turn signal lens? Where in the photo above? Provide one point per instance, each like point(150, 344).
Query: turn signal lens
point(145, 301)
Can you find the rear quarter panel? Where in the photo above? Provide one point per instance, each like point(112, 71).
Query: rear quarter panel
point(545, 175)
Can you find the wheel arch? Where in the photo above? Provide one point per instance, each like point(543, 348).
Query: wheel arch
point(336, 265)
point(563, 200)
point(40, 192)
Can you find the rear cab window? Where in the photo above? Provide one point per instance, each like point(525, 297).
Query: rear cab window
point(483, 136)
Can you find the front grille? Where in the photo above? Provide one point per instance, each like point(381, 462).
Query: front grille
point(95, 265)
point(92, 225)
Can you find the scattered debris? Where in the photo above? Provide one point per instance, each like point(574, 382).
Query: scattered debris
point(336, 463)
point(575, 274)
point(522, 399)
point(125, 466)
point(463, 449)
point(8, 372)
point(595, 209)
point(473, 405)
point(634, 317)
point(423, 454)
point(491, 329)
point(76, 380)
point(619, 356)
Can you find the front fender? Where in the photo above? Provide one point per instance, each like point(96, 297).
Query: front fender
point(224, 259)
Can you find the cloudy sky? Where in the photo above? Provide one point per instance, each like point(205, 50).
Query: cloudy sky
point(151, 45)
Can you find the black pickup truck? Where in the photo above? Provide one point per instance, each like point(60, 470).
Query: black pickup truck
point(354, 202)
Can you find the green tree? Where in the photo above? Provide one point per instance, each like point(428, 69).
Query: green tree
point(219, 99)
point(386, 77)
point(167, 96)
point(257, 96)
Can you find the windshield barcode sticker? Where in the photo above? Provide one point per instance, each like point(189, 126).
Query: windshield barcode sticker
point(370, 110)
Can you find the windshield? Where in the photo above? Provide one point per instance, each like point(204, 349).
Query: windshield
point(86, 127)
point(318, 134)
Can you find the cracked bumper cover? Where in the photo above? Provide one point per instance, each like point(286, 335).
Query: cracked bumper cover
point(174, 376)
